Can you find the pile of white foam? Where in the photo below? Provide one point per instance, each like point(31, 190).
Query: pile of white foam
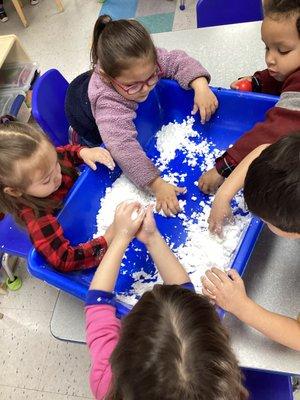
point(201, 250)
point(176, 137)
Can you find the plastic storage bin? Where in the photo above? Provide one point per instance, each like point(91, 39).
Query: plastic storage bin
point(237, 113)
point(11, 102)
point(17, 75)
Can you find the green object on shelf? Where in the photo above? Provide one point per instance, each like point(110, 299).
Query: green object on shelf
point(101, 1)
point(13, 285)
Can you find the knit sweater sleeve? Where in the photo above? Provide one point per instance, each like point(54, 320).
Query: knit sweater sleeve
point(177, 65)
point(102, 336)
point(114, 116)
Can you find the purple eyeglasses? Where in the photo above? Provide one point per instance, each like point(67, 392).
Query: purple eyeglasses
point(137, 87)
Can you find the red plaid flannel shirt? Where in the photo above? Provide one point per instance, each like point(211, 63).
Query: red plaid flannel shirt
point(47, 234)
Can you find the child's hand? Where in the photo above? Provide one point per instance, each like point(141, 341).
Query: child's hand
point(227, 290)
point(97, 154)
point(210, 181)
point(234, 86)
point(148, 228)
point(128, 219)
point(166, 196)
point(204, 101)
point(220, 213)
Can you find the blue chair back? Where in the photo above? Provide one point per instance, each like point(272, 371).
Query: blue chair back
point(223, 12)
point(13, 239)
point(263, 385)
point(48, 105)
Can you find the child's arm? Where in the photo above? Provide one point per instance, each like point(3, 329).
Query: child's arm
point(48, 238)
point(189, 72)
point(77, 155)
point(228, 291)
point(167, 264)
point(102, 326)
point(126, 227)
point(280, 120)
point(221, 209)
point(120, 137)
point(261, 82)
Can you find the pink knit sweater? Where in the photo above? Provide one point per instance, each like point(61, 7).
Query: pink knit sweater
point(102, 336)
point(114, 115)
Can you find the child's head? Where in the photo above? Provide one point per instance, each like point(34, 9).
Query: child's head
point(29, 168)
point(174, 347)
point(126, 56)
point(272, 186)
point(281, 34)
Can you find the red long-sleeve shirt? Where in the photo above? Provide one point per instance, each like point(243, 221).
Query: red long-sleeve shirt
point(46, 233)
point(281, 120)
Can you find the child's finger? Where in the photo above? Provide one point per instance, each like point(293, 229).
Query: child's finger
point(234, 275)
point(202, 115)
point(91, 164)
point(106, 159)
point(149, 217)
point(233, 85)
point(149, 211)
point(214, 228)
point(110, 159)
point(208, 114)
point(140, 216)
point(130, 206)
point(179, 190)
point(108, 164)
point(158, 206)
point(173, 206)
point(214, 279)
point(208, 284)
point(207, 293)
point(165, 209)
point(222, 276)
point(195, 109)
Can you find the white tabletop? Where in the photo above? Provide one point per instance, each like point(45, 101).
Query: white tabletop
point(227, 52)
point(273, 276)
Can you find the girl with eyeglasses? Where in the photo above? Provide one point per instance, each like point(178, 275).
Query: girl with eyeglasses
point(101, 105)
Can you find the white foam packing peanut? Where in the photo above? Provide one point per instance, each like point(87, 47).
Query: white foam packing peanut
point(201, 250)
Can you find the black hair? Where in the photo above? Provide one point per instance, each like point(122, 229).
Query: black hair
point(272, 184)
point(283, 8)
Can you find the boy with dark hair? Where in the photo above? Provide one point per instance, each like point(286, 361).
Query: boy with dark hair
point(271, 177)
point(281, 34)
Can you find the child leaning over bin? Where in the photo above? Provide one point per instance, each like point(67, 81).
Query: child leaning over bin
point(35, 178)
point(271, 179)
point(172, 344)
point(281, 34)
point(126, 67)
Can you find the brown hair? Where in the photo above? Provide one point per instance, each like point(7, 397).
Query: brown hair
point(174, 347)
point(272, 184)
point(20, 142)
point(283, 8)
point(117, 43)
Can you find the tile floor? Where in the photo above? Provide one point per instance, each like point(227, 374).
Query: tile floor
point(34, 365)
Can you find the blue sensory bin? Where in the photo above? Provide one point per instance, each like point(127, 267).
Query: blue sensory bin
point(237, 113)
